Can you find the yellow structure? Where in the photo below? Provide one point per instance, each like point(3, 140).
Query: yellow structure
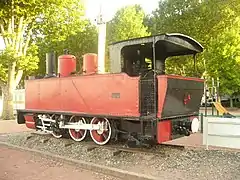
point(220, 108)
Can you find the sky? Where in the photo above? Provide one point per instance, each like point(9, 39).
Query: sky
point(109, 8)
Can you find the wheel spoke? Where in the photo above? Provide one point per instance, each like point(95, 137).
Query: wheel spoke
point(81, 132)
point(104, 135)
point(78, 135)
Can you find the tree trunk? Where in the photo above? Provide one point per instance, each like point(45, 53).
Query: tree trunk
point(7, 113)
point(231, 102)
point(8, 89)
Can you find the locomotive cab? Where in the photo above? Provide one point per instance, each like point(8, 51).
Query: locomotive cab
point(145, 54)
point(168, 104)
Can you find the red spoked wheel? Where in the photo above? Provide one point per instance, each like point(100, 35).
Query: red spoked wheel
point(77, 134)
point(103, 134)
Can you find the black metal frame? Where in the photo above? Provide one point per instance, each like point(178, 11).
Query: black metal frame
point(20, 112)
point(153, 123)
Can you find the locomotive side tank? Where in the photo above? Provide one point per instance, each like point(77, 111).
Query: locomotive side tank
point(94, 95)
point(136, 101)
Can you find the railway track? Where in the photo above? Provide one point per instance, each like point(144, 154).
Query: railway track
point(117, 148)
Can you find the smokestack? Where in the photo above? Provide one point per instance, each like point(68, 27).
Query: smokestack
point(50, 64)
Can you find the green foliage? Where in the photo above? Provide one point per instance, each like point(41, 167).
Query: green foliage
point(201, 20)
point(127, 23)
point(81, 42)
point(64, 27)
point(3, 69)
point(25, 23)
point(60, 21)
point(29, 63)
point(7, 56)
point(183, 66)
point(18, 19)
point(213, 24)
point(27, 8)
point(43, 26)
point(223, 58)
point(180, 16)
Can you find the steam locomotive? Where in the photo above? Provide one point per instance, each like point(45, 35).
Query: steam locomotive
point(136, 101)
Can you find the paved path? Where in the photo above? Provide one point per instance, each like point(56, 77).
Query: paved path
point(11, 126)
point(20, 165)
point(195, 140)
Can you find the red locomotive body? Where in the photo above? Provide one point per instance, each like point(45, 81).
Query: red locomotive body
point(136, 101)
point(93, 95)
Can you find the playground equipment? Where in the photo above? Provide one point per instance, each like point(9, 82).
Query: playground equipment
point(221, 110)
point(212, 96)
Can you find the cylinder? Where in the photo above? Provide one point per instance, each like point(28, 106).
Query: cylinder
point(90, 63)
point(50, 64)
point(66, 65)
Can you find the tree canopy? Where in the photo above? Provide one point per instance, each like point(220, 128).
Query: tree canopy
point(65, 27)
point(223, 58)
point(211, 22)
point(126, 24)
point(23, 24)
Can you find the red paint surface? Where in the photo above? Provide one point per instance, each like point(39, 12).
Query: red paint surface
point(29, 121)
point(85, 94)
point(164, 131)
point(90, 63)
point(182, 77)
point(66, 65)
point(162, 90)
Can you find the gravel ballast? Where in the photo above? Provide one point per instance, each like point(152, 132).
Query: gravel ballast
point(171, 164)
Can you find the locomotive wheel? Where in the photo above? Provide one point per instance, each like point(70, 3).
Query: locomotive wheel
point(77, 134)
point(102, 136)
point(57, 134)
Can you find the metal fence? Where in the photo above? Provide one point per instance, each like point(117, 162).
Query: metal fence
point(221, 132)
point(18, 100)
